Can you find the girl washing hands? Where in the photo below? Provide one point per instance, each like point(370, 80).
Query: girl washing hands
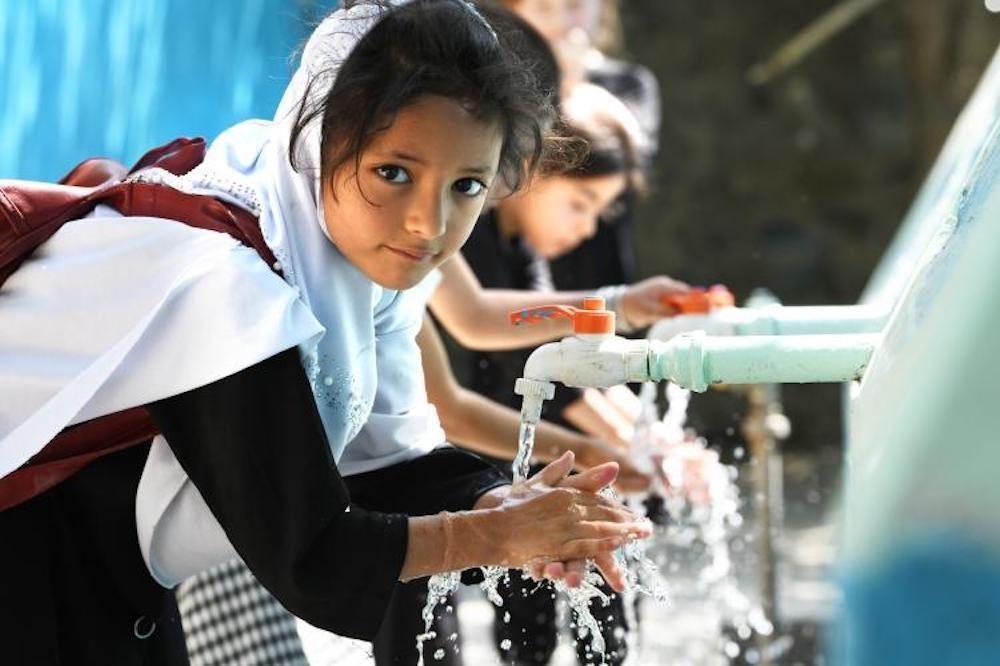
point(293, 430)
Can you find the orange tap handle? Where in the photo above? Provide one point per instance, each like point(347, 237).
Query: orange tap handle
point(700, 300)
point(591, 318)
point(542, 312)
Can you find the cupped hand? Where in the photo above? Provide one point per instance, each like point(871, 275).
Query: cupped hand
point(571, 571)
point(553, 517)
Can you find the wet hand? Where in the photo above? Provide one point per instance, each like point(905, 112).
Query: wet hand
point(572, 571)
point(644, 303)
point(554, 517)
point(630, 478)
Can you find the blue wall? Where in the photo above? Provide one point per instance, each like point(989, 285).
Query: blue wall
point(114, 77)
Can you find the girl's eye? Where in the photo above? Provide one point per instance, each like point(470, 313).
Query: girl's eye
point(470, 187)
point(393, 173)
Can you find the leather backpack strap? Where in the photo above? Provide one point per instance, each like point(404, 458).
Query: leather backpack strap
point(72, 450)
point(30, 213)
point(194, 210)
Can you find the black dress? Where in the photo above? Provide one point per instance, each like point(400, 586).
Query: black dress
point(74, 588)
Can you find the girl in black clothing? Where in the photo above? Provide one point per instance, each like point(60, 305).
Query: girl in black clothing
point(268, 383)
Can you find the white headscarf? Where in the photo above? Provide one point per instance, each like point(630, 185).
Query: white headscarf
point(365, 372)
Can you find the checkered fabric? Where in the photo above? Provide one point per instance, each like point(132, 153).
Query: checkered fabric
point(231, 620)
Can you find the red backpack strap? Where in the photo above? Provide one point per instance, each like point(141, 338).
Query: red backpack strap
point(178, 157)
point(32, 212)
point(29, 214)
point(195, 210)
point(95, 172)
point(72, 450)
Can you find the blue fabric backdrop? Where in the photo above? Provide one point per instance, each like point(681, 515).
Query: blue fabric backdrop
point(114, 77)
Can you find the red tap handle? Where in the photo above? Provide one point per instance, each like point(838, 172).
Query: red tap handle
point(700, 300)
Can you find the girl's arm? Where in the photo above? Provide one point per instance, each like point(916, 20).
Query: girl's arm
point(478, 318)
point(534, 510)
point(594, 413)
point(490, 428)
point(255, 448)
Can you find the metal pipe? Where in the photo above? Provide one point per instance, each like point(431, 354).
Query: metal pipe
point(763, 427)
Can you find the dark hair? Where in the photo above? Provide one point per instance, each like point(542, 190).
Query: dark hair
point(528, 44)
point(428, 47)
point(610, 147)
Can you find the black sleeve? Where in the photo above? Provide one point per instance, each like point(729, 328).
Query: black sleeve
point(446, 479)
point(254, 446)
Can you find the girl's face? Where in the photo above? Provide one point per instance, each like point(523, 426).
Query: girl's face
point(420, 186)
point(557, 213)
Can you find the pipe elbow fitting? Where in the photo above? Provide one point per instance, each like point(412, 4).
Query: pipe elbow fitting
point(543, 364)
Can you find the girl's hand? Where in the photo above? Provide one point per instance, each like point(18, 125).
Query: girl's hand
point(552, 517)
point(693, 471)
point(571, 571)
point(593, 452)
point(643, 303)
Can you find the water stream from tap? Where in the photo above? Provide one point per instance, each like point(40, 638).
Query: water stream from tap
point(525, 448)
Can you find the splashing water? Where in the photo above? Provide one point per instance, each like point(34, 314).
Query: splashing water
point(579, 600)
point(492, 576)
point(703, 504)
point(442, 586)
point(642, 575)
point(439, 588)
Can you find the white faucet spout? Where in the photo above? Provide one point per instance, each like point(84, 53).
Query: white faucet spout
point(594, 361)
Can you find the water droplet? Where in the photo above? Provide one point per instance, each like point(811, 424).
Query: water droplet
point(276, 266)
point(505, 644)
point(506, 617)
point(739, 452)
point(439, 654)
